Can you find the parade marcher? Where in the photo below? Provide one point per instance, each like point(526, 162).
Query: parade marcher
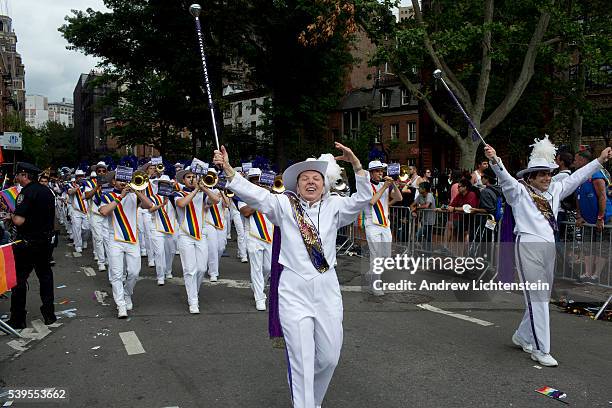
point(145, 218)
point(535, 203)
point(97, 222)
point(215, 230)
point(79, 212)
point(310, 302)
point(120, 206)
point(162, 234)
point(192, 234)
point(377, 227)
point(259, 244)
point(34, 219)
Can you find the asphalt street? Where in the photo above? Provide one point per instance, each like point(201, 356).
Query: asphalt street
point(398, 352)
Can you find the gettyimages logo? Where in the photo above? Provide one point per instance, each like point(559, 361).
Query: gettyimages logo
point(411, 264)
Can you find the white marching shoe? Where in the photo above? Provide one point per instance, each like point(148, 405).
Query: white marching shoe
point(128, 303)
point(194, 309)
point(260, 305)
point(214, 279)
point(544, 358)
point(121, 312)
point(101, 267)
point(160, 282)
point(518, 340)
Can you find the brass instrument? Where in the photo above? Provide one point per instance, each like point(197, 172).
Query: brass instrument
point(160, 168)
point(229, 193)
point(404, 173)
point(140, 180)
point(278, 186)
point(210, 179)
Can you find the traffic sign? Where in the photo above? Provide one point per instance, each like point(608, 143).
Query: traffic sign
point(11, 141)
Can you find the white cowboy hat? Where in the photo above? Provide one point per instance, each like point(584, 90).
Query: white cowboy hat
point(98, 165)
point(291, 174)
point(375, 165)
point(163, 177)
point(542, 157)
point(180, 175)
point(79, 172)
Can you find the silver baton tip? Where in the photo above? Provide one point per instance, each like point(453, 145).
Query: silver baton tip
point(195, 9)
point(437, 73)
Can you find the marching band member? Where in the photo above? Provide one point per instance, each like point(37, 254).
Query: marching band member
point(145, 219)
point(215, 230)
point(310, 302)
point(162, 234)
point(97, 222)
point(192, 242)
point(79, 219)
point(535, 201)
point(259, 245)
point(120, 206)
point(378, 230)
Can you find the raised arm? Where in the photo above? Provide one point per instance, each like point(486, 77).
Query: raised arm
point(510, 186)
point(351, 206)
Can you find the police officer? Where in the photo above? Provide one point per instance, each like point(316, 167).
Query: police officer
point(34, 218)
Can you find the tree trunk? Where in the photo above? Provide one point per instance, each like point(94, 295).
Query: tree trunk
point(468, 150)
point(576, 135)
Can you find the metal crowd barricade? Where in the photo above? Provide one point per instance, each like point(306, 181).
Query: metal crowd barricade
point(583, 254)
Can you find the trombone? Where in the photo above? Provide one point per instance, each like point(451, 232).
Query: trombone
point(210, 179)
point(140, 180)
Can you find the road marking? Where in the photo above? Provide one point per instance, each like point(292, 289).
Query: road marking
point(434, 309)
point(131, 343)
point(88, 271)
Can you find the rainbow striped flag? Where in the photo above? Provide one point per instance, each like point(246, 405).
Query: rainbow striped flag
point(552, 393)
point(9, 196)
point(8, 276)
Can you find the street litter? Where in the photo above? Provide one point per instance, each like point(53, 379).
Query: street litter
point(553, 393)
point(64, 302)
point(67, 312)
point(60, 287)
point(95, 348)
point(100, 296)
point(537, 366)
point(88, 271)
point(76, 255)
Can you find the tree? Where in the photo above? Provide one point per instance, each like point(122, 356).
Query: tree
point(486, 51)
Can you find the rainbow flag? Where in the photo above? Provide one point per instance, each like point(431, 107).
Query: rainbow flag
point(9, 196)
point(552, 393)
point(8, 276)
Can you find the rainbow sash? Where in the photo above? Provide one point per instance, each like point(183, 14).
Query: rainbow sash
point(81, 201)
point(122, 220)
point(361, 220)
point(164, 219)
point(191, 218)
point(216, 216)
point(93, 183)
point(262, 230)
point(378, 213)
point(149, 191)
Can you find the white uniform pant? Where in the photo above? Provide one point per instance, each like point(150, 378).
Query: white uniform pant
point(144, 232)
point(217, 239)
point(379, 244)
point(61, 211)
point(162, 245)
point(118, 254)
point(311, 317)
point(98, 231)
point(241, 237)
point(194, 259)
point(80, 224)
point(535, 261)
point(260, 259)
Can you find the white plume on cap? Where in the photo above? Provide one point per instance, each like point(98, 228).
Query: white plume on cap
point(543, 149)
point(333, 172)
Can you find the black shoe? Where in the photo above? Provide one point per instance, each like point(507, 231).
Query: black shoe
point(16, 324)
point(50, 319)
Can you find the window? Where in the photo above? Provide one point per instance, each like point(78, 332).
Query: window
point(227, 114)
point(405, 97)
point(253, 107)
point(412, 162)
point(384, 99)
point(253, 128)
point(412, 131)
point(395, 131)
point(239, 109)
point(378, 136)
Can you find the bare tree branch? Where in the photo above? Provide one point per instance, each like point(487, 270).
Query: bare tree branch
point(485, 69)
point(521, 83)
point(462, 94)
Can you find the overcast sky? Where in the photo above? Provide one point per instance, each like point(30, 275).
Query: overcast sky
point(51, 69)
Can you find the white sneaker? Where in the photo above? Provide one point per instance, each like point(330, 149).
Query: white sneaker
point(121, 312)
point(128, 303)
point(244, 260)
point(544, 358)
point(214, 279)
point(151, 264)
point(168, 276)
point(96, 258)
point(84, 245)
point(194, 309)
point(101, 267)
point(160, 282)
point(79, 250)
point(518, 340)
point(260, 305)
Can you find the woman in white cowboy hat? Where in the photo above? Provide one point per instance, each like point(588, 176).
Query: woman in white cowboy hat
point(310, 303)
point(535, 203)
